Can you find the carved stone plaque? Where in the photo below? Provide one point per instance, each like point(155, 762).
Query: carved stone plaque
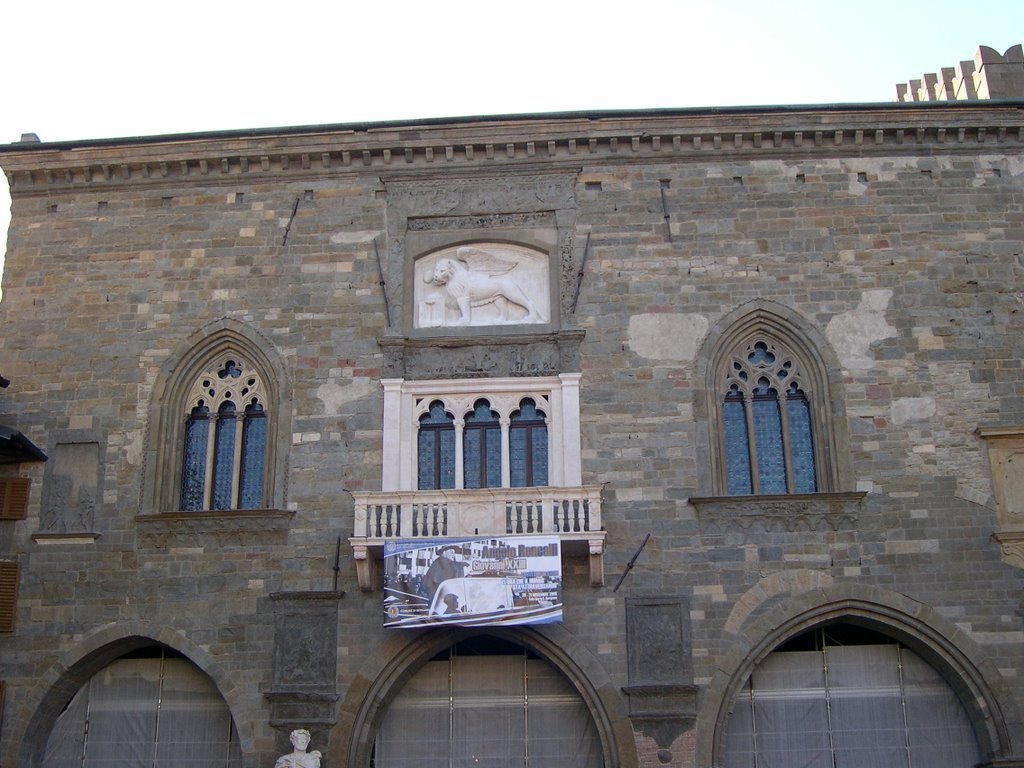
point(658, 641)
point(72, 488)
point(481, 284)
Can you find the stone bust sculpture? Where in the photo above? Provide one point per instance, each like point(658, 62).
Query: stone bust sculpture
point(299, 758)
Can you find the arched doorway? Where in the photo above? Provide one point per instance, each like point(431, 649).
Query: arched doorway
point(489, 702)
point(150, 708)
point(844, 694)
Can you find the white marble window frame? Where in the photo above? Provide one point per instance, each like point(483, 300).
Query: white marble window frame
point(405, 401)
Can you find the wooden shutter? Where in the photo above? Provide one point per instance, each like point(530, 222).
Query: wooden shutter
point(14, 497)
point(8, 594)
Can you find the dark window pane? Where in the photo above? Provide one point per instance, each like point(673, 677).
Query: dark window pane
point(801, 445)
point(436, 449)
point(481, 448)
point(224, 457)
point(771, 464)
point(254, 444)
point(528, 446)
point(193, 474)
point(737, 451)
point(540, 455)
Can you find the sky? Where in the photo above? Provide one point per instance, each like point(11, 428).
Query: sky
point(105, 69)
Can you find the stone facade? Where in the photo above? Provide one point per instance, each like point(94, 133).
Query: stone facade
point(883, 243)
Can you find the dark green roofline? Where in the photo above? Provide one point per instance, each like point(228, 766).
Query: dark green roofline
point(365, 127)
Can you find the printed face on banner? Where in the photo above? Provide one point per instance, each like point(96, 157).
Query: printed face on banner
point(473, 582)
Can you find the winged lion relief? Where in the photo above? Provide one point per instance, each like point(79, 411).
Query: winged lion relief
point(481, 284)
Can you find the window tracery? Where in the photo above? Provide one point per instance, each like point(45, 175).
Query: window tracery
point(768, 442)
point(774, 412)
point(225, 439)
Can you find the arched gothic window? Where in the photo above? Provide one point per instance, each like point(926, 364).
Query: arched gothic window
point(219, 425)
point(224, 453)
point(774, 410)
point(766, 421)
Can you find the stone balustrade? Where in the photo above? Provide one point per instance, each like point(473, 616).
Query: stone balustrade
point(571, 514)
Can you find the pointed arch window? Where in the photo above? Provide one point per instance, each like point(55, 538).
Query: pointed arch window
point(771, 412)
point(224, 453)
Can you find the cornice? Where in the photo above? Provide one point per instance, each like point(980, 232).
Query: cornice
point(540, 145)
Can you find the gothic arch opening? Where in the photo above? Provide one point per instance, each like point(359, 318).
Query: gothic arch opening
point(150, 706)
point(487, 700)
point(851, 690)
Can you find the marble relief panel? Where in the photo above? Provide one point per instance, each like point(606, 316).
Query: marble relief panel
point(481, 284)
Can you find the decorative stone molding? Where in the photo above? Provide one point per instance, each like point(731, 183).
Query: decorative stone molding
point(568, 140)
point(1011, 546)
point(794, 512)
point(235, 528)
point(483, 356)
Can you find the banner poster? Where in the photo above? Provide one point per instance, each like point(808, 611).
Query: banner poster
point(473, 582)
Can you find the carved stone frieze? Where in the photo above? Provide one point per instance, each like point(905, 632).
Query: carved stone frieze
point(490, 195)
point(776, 514)
point(541, 355)
point(222, 529)
point(490, 221)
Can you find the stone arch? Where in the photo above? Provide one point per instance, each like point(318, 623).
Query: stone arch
point(823, 378)
point(97, 649)
point(950, 651)
point(368, 699)
point(164, 435)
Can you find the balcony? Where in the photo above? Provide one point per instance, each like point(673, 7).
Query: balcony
point(571, 514)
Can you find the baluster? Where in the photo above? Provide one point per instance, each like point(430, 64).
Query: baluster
point(443, 512)
point(373, 519)
point(576, 515)
point(586, 514)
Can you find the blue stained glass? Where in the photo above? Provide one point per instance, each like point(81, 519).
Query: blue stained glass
point(224, 457)
point(540, 455)
point(193, 473)
point(737, 450)
point(254, 445)
point(481, 448)
point(801, 443)
point(436, 449)
point(528, 446)
point(771, 462)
